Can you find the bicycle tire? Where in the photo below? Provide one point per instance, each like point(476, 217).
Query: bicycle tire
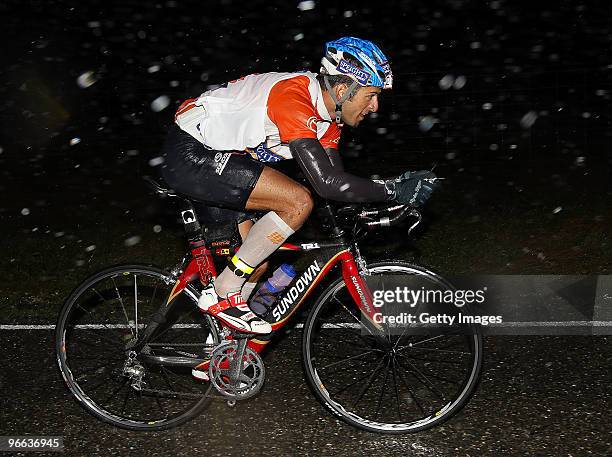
point(315, 356)
point(75, 348)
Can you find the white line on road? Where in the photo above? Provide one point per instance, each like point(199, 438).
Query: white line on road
point(343, 325)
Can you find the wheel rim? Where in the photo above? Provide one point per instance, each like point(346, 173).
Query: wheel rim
point(388, 383)
point(99, 323)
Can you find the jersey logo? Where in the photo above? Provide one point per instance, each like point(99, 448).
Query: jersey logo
point(311, 123)
point(263, 154)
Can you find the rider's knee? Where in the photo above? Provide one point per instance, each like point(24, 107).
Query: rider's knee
point(302, 202)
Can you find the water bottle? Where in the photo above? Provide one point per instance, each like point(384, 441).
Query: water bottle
point(267, 294)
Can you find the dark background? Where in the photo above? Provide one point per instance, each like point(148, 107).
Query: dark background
point(509, 100)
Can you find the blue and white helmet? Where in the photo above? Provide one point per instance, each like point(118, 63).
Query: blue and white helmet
point(375, 70)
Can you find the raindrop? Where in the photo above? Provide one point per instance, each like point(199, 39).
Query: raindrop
point(307, 5)
point(90, 248)
point(204, 76)
point(76, 140)
point(174, 83)
point(153, 69)
point(86, 80)
point(557, 210)
point(426, 123)
point(79, 263)
point(298, 37)
point(160, 103)
point(132, 241)
point(157, 228)
point(586, 115)
point(475, 45)
point(155, 161)
point(580, 161)
point(450, 155)
point(601, 92)
point(460, 82)
point(446, 82)
point(348, 14)
point(381, 130)
point(487, 106)
point(344, 187)
point(493, 147)
point(529, 119)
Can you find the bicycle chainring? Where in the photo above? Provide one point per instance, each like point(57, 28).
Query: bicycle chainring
point(249, 377)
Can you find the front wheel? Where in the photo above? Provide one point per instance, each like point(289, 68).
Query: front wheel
point(386, 381)
point(115, 378)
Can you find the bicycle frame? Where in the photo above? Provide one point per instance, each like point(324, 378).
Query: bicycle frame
point(201, 266)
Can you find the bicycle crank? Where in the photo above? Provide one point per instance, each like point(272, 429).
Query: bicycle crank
point(236, 371)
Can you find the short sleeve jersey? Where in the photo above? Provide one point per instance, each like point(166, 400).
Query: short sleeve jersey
point(293, 108)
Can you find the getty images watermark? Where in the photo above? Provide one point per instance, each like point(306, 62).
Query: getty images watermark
point(497, 304)
point(429, 307)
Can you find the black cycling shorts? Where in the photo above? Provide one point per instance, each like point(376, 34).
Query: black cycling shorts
point(221, 179)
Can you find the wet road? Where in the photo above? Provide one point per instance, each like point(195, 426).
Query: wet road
point(538, 396)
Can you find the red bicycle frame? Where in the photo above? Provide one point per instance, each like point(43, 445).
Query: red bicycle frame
point(202, 267)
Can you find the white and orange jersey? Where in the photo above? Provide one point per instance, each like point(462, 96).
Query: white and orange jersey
point(261, 114)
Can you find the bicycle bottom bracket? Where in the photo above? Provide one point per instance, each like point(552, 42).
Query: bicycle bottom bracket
point(231, 378)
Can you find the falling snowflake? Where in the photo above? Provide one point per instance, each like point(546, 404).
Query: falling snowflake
point(132, 241)
point(307, 5)
point(155, 161)
point(529, 119)
point(86, 80)
point(446, 82)
point(160, 103)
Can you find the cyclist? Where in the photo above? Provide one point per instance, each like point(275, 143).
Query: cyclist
point(218, 150)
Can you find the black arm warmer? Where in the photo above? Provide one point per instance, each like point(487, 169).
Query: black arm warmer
point(332, 182)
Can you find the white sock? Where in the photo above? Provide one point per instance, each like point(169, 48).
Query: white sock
point(265, 237)
point(247, 290)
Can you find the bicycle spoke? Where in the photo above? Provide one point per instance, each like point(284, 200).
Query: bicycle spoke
point(125, 400)
point(354, 317)
point(352, 383)
point(423, 379)
point(136, 304)
point(110, 329)
point(127, 319)
point(416, 401)
point(114, 392)
point(382, 391)
point(157, 399)
point(369, 383)
point(399, 409)
point(432, 375)
point(345, 360)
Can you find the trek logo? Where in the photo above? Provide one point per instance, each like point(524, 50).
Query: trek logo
point(361, 76)
point(364, 300)
point(221, 160)
point(300, 286)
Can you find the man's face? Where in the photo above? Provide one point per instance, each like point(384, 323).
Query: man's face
point(364, 102)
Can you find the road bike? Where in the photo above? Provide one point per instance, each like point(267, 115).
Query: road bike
point(128, 337)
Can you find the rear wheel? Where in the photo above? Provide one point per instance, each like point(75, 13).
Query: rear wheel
point(388, 381)
point(96, 336)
